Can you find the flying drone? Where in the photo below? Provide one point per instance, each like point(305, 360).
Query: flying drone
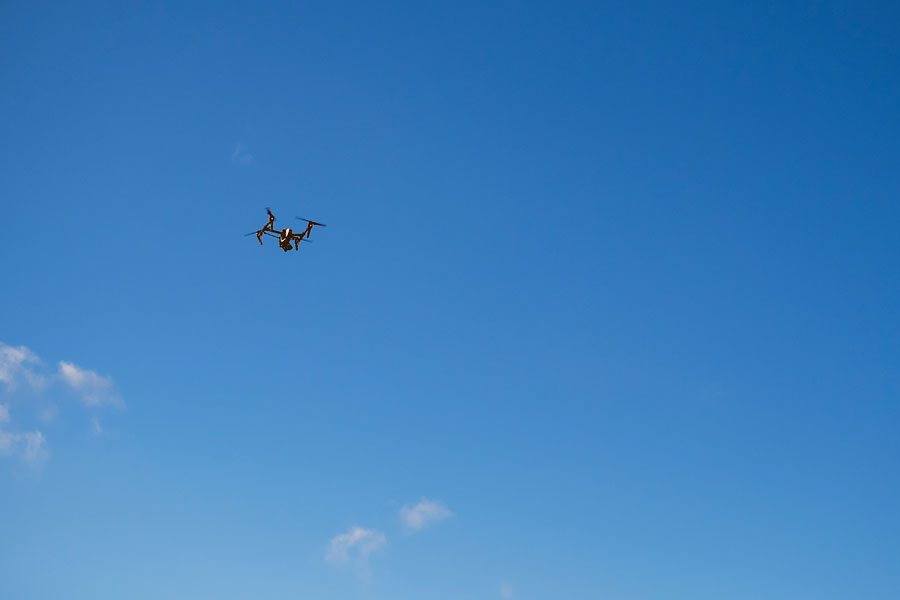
point(286, 237)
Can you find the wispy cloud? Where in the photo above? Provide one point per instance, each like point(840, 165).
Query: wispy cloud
point(423, 514)
point(354, 548)
point(506, 590)
point(48, 413)
point(36, 451)
point(94, 389)
point(16, 365)
point(31, 445)
point(239, 155)
point(7, 440)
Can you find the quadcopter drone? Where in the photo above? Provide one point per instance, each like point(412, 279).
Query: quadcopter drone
point(286, 237)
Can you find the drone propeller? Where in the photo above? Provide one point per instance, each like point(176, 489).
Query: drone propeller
point(251, 233)
point(312, 222)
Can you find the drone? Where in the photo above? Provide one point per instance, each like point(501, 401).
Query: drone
point(286, 237)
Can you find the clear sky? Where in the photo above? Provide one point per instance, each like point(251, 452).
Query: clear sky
point(606, 306)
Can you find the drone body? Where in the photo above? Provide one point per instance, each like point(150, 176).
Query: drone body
point(286, 237)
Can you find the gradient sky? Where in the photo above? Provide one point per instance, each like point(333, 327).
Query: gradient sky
point(606, 307)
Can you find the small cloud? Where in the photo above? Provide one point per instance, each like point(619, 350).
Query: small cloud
point(422, 514)
point(48, 413)
point(7, 440)
point(35, 450)
point(354, 548)
point(18, 366)
point(239, 155)
point(506, 590)
point(14, 366)
point(95, 389)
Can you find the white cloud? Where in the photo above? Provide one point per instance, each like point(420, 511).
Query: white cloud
point(95, 389)
point(35, 450)
point(48, 413)
point(239, 155)
point(422, 514)
point(20, 365)
point(7, 442)
point(6, 439)
point(354, 548)
point(14, 366)
point(506, 590)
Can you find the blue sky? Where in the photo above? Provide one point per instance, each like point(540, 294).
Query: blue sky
point(606, 306)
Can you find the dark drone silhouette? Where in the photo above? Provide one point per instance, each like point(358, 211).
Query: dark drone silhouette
point(286, 237)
